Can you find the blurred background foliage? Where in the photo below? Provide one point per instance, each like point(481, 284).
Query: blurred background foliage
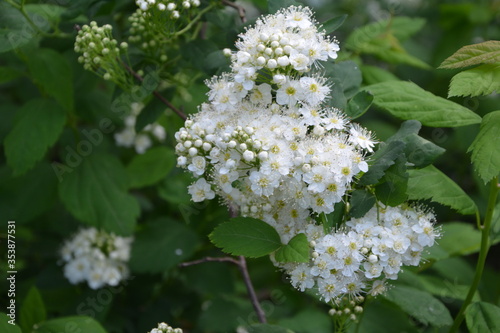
point(168, 227)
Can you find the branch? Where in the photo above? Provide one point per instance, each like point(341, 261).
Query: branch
point(240, 9)
point(157, 94)
point(210, 259)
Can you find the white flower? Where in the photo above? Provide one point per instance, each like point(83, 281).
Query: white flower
point(361, 137)
point(197, 165)
point(289, 93)
point(314, 90)
point(301, 277)
point(201, 190)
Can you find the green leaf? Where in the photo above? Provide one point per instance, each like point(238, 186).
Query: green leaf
point(392, 190)
point(406, 100)
point(383, 158)
point(95, 192)
point(267, 328)
point(7, 324)
point(378, 312)
point(70, 324)
point(150, 167)
point(333, 24)
point(430, 183)
point(151, 112)
point(37, 127)
point(460, 238)
point(373, 74)
point(15, 30)
point(482, 80)
point(297, 250)
point(32, 310)
point(349, 75)
point(482, 317)
point(309, 321)
point(361, 202)
point(335, 218)
point(481, 53)
point(52, 72)
point(274, 5)
point(245, 236)
point(161, 245)
point(485, 148)
point(8, 74)
point(359, 104)
point(421, 305)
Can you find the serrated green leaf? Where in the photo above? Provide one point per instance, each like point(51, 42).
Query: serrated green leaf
point(430, 183)
point(51, 13)
point(32, 310)
point(485, 148)
point(274, 5)
point(482, 317)
point(383, 158)
point(15, 30)
point(349, 75)
point(361, 202)
point(267, 328)
point(372, 75)
point(5, 323)
point(392, 190)
point(406, 100)
point(52, 72)
point(161, 245)
point(460, 238)
point(359, 104)
point(245, 236)
point(421, 305)
point(95, 192)
point(297, 250)
point(481, 53)
point(150, 167)
point(37, 127)
point(67, 324)
point(482, 80)
point(333, 24)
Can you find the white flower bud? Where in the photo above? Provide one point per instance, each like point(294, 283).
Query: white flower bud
point(318, 130)
point(358, 309)
point(263, 155)
point(275, 44)
point(372, 258)
point(181, 161)
point(231, 144)
point(364, 250)
point(287, 49)
point(188, 144)
point(186, 4)
point(271, 64)
point(207, 146)
point(306, 167)
point(161, 7)
point(278, 51)
point(268, 51)
point(248, 155)
point(227, 52)
point(193, 151)
point(106, 76)
point(315, 254)
point(283, 61)
point(279, 79)
point(261, 47)
point(254, 209)
point(264, 37)
point(243, 146)
point(171, 6)
point(261, 61)
point(198, 143)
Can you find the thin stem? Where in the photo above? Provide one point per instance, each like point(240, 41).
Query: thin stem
point(485, 246)
point(210, 259)
point(241, 10)
point(195, 20)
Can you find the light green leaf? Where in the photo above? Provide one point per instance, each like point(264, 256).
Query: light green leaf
point(150, 167)
point(5, 323)
point(333, 24)
point(430, 183)
point(161, 245)
point(406, 100)
point(481, 53)
point(267, 328)
point(359, 104)
point(51, 71)
point(460, 238)
point(95, 192)
point(37, 127)
point(297, 250)
point(32, 310)
point(373, 74)
point(482, 80)
point(486, 148)
point(482, 317)
point(70, 324)
point(361, 202)
point(245, 236)
point(383, 158)
point(421, 305)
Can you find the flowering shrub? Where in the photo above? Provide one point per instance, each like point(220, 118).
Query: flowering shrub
point(232, 166)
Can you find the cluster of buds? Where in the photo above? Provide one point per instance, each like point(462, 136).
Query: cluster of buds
point(165, 328)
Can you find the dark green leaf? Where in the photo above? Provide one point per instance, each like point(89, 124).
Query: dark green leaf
point(481, 53)
point(383, 158)
point(267, 328)
point(151, 112)
point(392, 190)
point(161, 245)
point(372, 75)
point(274, 5)
point(8, 324)
point(52, 72)
point(32, 310)
point(359, 104)
point(333, 24)
point(15, 30)
point(482, 317)
point(8, 74)
point(95, 192)
point(297, 250)
point(70, 324)
point(334, 219)
point(309, 321)
point(245, 236)
point(150, 167)
point(378, 313)
point(482, 80)
point(485, 148)
point(336, 89)
point(421, 305)
point(361, 202)
point(49, 12)
point(349, 75)
point(37, 127)
point(460, 238)
point(224, 314)
point(406, 100)
point(430, 183)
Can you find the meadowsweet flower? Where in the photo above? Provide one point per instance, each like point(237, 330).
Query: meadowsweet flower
point(165, 328)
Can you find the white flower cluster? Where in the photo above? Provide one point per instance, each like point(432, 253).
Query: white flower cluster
point(165, 328)
point(173, 7)
point(141, 141)
point(97, 257)
point(100, 51)
point(368, 251)
point(265, 144)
